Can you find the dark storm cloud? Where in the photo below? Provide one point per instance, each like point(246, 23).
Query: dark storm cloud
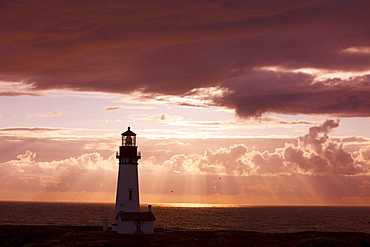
point(167, 47)
point(294, 93)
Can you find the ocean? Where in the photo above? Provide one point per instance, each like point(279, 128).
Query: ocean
point(274, 219)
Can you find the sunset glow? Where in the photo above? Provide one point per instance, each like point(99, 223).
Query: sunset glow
point(233, 103)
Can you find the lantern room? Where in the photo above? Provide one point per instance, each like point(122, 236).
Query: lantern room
point(128, 151)
point(128, 138)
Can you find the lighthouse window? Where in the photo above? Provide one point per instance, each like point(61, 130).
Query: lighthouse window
point(130, 191)
point(128, 141)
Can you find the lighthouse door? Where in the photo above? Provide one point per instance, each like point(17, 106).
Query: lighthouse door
point(138, 226)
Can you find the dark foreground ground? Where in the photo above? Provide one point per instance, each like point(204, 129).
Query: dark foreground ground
point(94, 236)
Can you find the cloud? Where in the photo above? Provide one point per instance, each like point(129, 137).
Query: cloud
point(312, 168)
point(46, 114)
point(166, 117)
point(17, 94)
point(317, 136)
point(365, 153)
point(36, 129)
point(296, 93)
point(50, 144)
point(315, 154)
point(15, 89)
point(172, 49)
point(114, 108)
point(157, 117)
point(364, 50)
point(353, 139)
point(88, 172)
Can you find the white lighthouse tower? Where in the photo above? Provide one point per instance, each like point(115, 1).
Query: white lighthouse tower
point(128, 218)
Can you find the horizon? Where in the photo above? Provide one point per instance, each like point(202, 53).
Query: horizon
point(232, 102)
point(191, 205)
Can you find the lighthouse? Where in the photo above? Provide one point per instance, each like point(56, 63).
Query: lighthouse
point(128, 219)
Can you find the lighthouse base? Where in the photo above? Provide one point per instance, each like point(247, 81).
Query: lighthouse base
point(134, 223)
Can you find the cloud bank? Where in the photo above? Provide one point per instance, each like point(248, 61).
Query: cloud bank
point(167, 48)
point(315, 166)
point(315, 154)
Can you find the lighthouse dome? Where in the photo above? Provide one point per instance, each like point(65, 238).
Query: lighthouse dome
point(128, 132)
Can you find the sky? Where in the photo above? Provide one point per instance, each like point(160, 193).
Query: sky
point(233, 102)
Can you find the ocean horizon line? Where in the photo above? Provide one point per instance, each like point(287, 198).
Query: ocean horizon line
point(191, 204)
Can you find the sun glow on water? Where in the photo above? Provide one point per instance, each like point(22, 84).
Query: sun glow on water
point(199, 205)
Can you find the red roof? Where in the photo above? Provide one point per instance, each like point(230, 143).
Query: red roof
point(133, 216)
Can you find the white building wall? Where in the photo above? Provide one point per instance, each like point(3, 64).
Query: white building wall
point(129, 227)
point(148, 227)
point(127, 181)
